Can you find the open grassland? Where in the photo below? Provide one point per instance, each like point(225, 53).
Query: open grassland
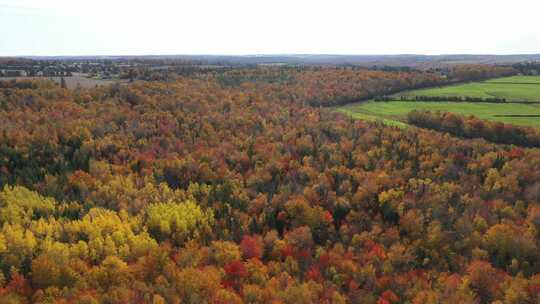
point(516, 79)
point(509, 91)
point(395, 112)
point(517, 88)
point(359, 111)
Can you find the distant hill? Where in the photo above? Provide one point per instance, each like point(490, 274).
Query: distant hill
point(324, 59)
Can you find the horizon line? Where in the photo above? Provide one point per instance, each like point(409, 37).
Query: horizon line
point(271, 54)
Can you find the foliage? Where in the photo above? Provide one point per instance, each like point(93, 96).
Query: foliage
point(472, 127)
point(227, 188)
point(178, 222)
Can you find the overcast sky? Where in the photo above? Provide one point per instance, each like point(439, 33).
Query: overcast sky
point(112, 27)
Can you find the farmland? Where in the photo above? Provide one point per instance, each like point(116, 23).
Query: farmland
point(521, 89)
point(516, 79)
point(395, 112)
point(517, 88)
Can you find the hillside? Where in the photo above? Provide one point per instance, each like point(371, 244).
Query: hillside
point(232, 188)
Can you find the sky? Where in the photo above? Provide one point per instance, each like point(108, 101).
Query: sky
point(244, 27)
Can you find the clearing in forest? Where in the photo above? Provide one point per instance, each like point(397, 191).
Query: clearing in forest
point(516, 88)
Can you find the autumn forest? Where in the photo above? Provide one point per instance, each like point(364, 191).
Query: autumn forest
point(243, 185)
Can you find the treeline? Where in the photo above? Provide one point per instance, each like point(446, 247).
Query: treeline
point(528, 68)
point(424, 98)
point(192, 191)
point(318, 86)
point(19, 84)
point(328, 86)
point(476, 72)
point(473, 127)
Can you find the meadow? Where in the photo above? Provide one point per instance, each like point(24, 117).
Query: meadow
point(511, 91)
point(395, 112)
point(516, 79)
point(516, 88)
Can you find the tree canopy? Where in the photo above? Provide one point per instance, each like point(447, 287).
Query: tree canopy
point(232, 187)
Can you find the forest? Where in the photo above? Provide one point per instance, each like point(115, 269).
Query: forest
point(473, 127)
point(239, 186)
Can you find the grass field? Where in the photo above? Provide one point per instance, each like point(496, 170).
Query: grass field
point(395, 112)
point(510, 91)
point(516, 79)
point(512, 88)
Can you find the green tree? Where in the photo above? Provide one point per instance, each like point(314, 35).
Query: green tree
point(179, 222)
point(18, 205)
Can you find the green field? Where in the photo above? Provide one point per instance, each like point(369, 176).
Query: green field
point(512, 89)
point(516, 79)
point(395, 112)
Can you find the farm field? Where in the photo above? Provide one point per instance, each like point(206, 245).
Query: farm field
point(516, 79)
point(395, 112)
point(512, 89)
point(508, 90)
